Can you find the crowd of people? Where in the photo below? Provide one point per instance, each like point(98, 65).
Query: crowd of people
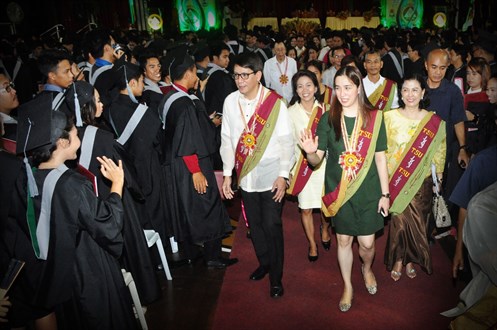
point(107, 134)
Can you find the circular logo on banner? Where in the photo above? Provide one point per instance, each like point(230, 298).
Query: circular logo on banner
point(439, 19)
point(154, 21)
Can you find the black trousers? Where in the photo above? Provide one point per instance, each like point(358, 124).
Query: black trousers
point(266, 230)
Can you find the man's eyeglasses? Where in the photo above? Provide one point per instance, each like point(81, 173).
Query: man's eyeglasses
point(8, 88)
point(244, 75)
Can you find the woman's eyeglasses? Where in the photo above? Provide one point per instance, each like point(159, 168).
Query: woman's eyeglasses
point(8, 88)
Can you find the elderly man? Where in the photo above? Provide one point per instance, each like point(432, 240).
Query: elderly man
point(279, 70)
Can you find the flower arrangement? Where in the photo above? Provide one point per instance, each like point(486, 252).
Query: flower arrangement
point(344, 14)
point(305, 13)
point(369, 14)
point(331, 13)
point(303, 27)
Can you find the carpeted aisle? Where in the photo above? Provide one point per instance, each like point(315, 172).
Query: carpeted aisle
point(313, 290)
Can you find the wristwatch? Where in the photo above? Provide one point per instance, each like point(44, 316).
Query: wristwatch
point(387, 195)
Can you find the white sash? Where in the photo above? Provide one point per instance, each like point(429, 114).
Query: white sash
point(87, 146)
point(98, 72)
point(43, 226)
point(132, 123)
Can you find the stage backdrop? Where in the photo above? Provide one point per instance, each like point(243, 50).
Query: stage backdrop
point(402, 13)
point(194, 15)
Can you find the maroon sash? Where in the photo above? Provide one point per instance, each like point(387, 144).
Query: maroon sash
point(304, 171)
point(385, 95)
point(332, 201)
point(412, 158)
point(260, 117)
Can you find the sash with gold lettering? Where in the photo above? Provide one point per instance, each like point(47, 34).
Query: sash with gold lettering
point(303, 171)
point(383, 96)
point(265, 122)
point(415, 163)
point(328, 95)
point(347, 187)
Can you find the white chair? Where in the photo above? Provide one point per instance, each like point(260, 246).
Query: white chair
point(174, 244)
point(152, 238)
point(130, 283)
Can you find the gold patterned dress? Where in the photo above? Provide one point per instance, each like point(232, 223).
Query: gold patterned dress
point(407, 238)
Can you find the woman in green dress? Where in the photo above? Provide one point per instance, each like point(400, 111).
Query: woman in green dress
point(353, 135)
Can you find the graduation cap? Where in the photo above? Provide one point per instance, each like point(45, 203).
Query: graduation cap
point(38, 126)
point(79, 94)
point(178, 60)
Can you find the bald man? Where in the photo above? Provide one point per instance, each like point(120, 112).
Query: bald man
point(447, 101)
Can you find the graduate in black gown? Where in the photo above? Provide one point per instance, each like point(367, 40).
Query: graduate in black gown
point(197, 214)
point(137, 128)
point(75, 237)
point(97, 143)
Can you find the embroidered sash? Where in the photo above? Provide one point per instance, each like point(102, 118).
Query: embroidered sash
point(265, 120)
point(383, 96)
point(303, 171)
point(366, 146)
point(411, 171)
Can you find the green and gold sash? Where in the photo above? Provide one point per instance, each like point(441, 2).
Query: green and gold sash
point(264, 121)
point(303, 171)
point(410, 172)
point(347, 186)
point(383, 96)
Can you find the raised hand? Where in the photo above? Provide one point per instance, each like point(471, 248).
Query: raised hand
point(307, 142)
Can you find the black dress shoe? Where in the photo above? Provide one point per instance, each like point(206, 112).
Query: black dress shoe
point(259, 273)
point(276, 291)
point(313, 258)
point(221, 263)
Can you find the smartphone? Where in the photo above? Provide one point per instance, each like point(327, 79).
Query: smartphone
point(383, 213)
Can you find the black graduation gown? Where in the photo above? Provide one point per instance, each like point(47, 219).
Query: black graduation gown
point(81, 267)
point(195, 217)
point(145, 149)
point(151, 98)
point(136, 257)
point(219, 86)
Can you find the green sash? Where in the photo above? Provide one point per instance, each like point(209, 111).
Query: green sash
point(265, 120)
point(383, 96)
point(415, 164)
point(303, 171)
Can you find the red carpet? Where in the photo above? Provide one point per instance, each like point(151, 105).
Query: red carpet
point(313, 290)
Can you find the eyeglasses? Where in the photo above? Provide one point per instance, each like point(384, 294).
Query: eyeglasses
point(244, 75)
point(8, 88)
point(338, 56)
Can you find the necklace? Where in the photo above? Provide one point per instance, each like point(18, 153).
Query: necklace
point(283, 76)
point(249, 139)
point(350, 159)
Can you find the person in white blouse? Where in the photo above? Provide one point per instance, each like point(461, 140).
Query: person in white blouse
point(257, 141)
point(279, 70)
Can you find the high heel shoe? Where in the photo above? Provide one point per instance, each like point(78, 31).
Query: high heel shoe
point(326, 244)
point(313, 258)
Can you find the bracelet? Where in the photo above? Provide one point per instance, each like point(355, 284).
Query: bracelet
point(463, 147)
point(387, 195)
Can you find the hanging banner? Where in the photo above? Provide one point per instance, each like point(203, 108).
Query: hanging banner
point(195, 15)
point(402, 13)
